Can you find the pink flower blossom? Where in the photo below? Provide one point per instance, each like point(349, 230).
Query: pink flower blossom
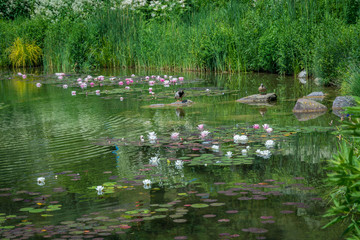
point(256, 126)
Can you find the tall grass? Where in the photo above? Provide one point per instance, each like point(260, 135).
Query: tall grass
point(278, 36)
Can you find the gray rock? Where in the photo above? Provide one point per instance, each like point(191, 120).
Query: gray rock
point(316, 96)
point(340, 103)
point(306, 105)
point(258, 98)
point(302, 74)
point(343, 101)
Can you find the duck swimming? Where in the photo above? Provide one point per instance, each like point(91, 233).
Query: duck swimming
point(179, 95)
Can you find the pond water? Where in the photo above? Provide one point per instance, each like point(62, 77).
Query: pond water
point(161, 187)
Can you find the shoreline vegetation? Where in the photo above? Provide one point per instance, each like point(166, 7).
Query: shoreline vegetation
point(276, 36)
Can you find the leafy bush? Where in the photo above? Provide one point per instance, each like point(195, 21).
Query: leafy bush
point(22, 54)
point(344, 178)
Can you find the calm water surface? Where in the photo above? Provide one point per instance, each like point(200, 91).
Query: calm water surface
point(79, 142)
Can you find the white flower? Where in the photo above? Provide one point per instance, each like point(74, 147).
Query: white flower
point(269, 130)
point(229, 154)
point(41, 181)
point(65, 86)
point(244, 152)
point(152, 136)
point(99, 190)
point(248, 147)
point(142, 138)
point(264, 154)
point(204, 134)
point(215, 148)
point(147, 183)
point(179, 164)
point(175, 135)
point(154, 161)
point(269, 143)
point(240, 139)
point(38, 84)
point(265, 126)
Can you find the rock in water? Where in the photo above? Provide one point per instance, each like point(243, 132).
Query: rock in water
point(316, 96)
point(343, 101)
point(258, 98)
point(307, 105)
point(340, 103)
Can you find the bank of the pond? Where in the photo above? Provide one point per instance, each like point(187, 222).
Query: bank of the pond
point(272, 36)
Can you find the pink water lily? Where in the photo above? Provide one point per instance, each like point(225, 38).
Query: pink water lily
point(265, 126)
point(23, 76)
point(256, 126)
point(200, 126)
point(38, 84)
point(73, 93)
point(204, 134)
point(181, 78)
point(121, 83)
point(92, 84)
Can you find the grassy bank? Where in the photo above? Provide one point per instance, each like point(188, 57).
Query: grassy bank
point(278, 36)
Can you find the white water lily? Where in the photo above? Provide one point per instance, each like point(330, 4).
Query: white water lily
point(179, 164)
point(244, 152)
point(41, 181)
point(154, 161)
point(240, 139)
point(147, 183)
point(175, 135)
point(248, 148)
point(264, 154)
point(152, 137)
point(229, 154)
point(269, 143)
point(269, 130)
point(99, 190)
point(215, 148)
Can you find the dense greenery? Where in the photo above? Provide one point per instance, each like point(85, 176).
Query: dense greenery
point(344, 177)
point(279, 36)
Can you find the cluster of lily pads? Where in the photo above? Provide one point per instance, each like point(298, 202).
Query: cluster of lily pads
point(214, 208)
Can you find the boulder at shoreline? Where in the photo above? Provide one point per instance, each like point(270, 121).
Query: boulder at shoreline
point(258, 98)
point(305, 105)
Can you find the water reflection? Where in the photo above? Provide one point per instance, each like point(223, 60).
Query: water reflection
point(180, 113)
point(93, 140)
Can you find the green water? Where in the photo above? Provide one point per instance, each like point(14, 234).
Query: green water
point(79, 142)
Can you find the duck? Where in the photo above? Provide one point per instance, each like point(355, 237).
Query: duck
point(262, 89)
point(179, 95)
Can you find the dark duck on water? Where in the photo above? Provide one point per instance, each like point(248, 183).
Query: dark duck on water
point(179, 95)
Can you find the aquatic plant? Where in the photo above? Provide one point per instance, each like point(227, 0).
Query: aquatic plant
point(269, 144)
point(41, 181)
point(147, 183)
point(154, 161)
point(175, 135)
point(204, 134)
point(240, 139)
point(343, 178)
point(99, 190)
